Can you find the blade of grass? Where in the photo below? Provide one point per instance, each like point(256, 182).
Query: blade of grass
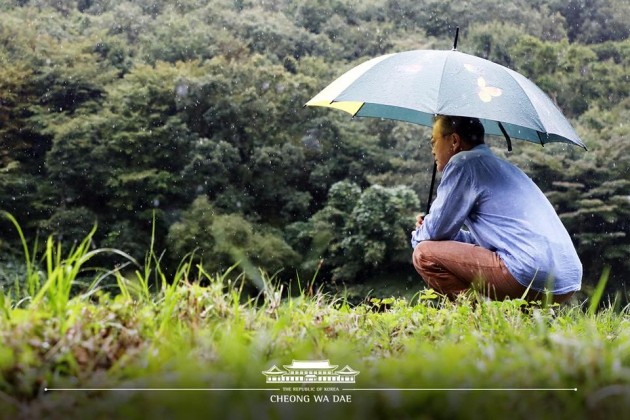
point(32, 276)
point(598, 293)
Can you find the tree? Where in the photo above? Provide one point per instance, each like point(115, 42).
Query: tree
point(145, 146)
point(114, 110)
point(595, 21)
point(219, 241)
point(358, 232)
point(21, 147)
point(47, 76)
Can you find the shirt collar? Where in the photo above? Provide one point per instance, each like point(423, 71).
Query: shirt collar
point(480, 149)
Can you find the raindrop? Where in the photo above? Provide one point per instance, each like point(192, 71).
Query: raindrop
point(311, 140)
point(181, 90)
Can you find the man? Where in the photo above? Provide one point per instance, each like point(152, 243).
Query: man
point(513, 239)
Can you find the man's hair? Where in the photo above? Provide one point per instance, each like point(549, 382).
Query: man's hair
point(469, 129)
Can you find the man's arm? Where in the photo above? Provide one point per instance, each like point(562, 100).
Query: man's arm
point(456, 196)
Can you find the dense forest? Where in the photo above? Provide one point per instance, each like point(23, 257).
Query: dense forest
point(182, 124)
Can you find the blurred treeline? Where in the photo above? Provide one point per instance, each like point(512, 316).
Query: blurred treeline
point(112, 111)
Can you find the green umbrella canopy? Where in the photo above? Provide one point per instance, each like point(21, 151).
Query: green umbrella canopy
point(414, 86)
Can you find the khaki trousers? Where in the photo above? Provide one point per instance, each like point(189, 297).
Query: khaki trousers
point(451, 267)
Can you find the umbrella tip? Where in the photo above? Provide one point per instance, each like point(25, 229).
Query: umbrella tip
point(456, 38)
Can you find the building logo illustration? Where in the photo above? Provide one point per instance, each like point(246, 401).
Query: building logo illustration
point(310, 371)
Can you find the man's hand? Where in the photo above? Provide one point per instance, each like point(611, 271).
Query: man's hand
point(419, 222)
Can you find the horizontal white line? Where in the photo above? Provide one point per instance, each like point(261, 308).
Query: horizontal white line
point(161, 389)
point(278, 389)
point(459, 389)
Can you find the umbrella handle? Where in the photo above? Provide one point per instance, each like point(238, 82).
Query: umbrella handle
point(507, 137)
point(431, 188)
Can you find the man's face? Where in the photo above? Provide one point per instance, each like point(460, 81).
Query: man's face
point(441, 146)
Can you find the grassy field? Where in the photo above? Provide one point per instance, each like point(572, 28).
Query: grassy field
point(195, 345)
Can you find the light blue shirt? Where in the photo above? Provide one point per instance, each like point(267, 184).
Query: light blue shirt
point(505, 212)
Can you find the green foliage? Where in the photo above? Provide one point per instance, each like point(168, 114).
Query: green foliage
point(494, 41)
point(111, 110)
point(358, 232)
point(196, 331)
point(69, 225)
point(377, 232)
point(440, 18)
point(594, 21)
point(143, 142)
point(219, 241)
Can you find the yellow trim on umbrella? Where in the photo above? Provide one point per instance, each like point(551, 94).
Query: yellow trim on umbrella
point(327, 96)
point(348, 106)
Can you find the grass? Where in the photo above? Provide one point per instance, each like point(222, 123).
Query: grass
point(196, 346)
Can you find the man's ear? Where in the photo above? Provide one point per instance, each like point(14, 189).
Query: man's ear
point(457, 141)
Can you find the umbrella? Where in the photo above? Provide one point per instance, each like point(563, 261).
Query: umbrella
point(414, 86)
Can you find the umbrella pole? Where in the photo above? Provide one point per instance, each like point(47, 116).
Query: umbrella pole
point(456, 38)
point(435, 163)
point(431, 188)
